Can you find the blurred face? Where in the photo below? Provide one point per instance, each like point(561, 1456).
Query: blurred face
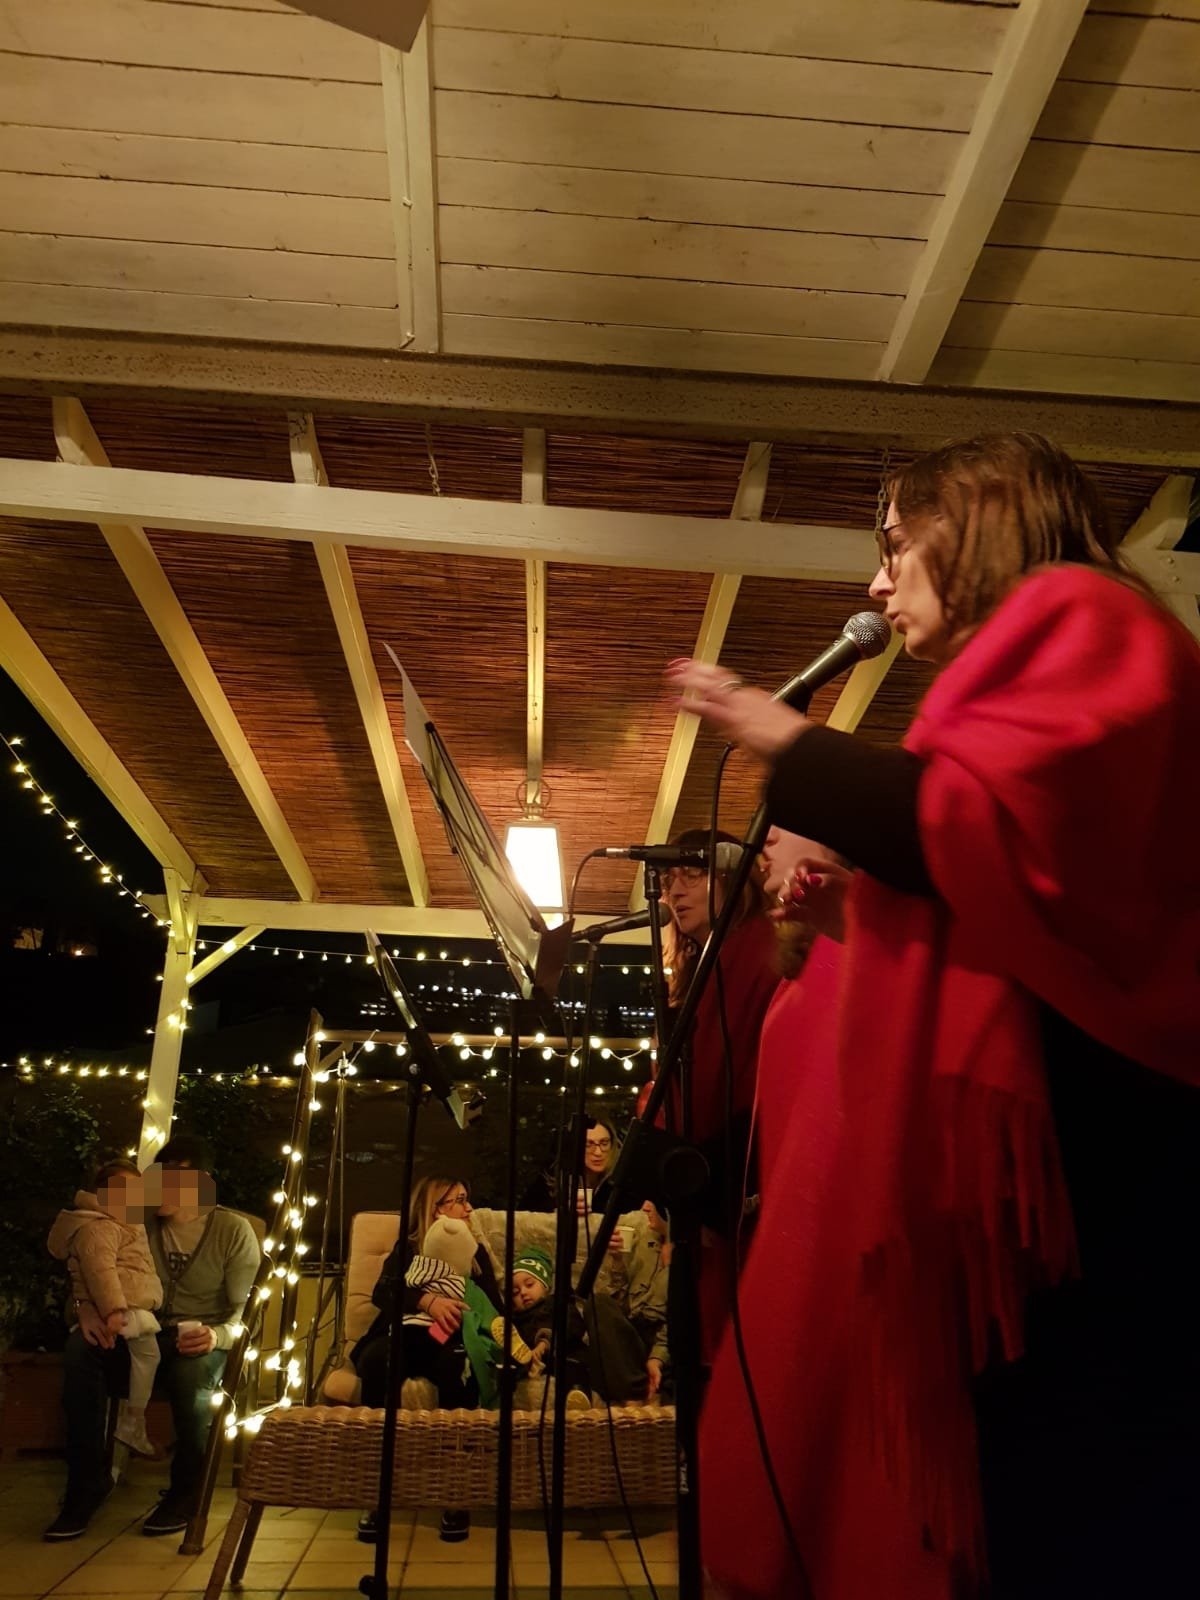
point(185, 1192)
point(685, 889)
point(911, 603)
point(655, 1218)
point(782, 854)
point(123, 1197)
point(527, 1290)
point(598, 1151)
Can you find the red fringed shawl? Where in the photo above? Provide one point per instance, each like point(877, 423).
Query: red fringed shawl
point(915, 1192)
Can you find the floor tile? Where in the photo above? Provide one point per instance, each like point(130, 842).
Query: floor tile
point(456, 1579)
point(336, 1575)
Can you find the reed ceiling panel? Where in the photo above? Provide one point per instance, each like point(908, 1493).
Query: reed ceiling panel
point(776, 628)
point(686, 477)
point(221, 441)
point(609, 634)
point(262, 618)
point(27, 427)
point(393, 454)
point(108, 655)
point(458, 626)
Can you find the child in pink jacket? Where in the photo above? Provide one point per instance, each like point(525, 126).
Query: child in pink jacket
point(103, 1241)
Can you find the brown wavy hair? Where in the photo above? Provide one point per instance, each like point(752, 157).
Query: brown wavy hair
point(997, 507)
point(680, 953)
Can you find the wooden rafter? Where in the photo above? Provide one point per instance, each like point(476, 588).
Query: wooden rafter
point(533, 493)
point(81, 449)
point(747, 507)
point(395, 22)
point(1150, 547)
point(407, 86)
point(1037, 40)
point(42, 491)
point(861, 686)
point(342, 594)
point(48, 694)
point(572, 396)
point(322, 916)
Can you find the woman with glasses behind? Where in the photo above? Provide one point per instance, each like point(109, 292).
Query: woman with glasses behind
point(720, 1060)
point(432, 1346)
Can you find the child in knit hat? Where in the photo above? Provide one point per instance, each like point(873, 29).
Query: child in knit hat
point(532, 1303)
point(103, 1241)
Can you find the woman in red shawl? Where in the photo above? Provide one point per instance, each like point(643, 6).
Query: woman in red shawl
point(980, 1371)
point(720, 1084)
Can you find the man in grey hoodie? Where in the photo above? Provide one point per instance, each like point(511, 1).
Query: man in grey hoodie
point(206, 1258)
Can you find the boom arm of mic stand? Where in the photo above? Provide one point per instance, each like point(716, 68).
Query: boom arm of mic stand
point(669, 1066)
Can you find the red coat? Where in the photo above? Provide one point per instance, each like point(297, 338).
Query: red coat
point(915, 1172)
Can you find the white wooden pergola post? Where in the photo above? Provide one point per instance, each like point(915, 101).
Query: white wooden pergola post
point(159, 1102)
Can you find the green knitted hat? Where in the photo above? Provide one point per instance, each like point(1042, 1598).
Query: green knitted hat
point(537, 1264)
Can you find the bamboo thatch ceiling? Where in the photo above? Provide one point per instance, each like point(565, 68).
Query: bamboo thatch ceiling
point(260, 612)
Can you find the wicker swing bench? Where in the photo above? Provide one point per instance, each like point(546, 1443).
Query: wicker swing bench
point(327, 1456)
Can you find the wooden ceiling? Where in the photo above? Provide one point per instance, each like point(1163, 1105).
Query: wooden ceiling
point(960, 191)
point(477, 350)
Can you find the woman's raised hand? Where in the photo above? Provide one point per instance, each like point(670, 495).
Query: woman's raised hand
point(816, 896)
point(746, 716)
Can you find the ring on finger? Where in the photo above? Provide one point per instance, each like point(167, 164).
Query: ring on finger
point(728, 685)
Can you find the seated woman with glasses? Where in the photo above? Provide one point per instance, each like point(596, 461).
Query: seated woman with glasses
point(720, 1081)
point(432, 1342)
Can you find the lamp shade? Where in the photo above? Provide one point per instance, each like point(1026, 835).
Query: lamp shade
point(532, 850)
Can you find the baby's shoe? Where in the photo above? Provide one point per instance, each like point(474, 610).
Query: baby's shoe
point(131, 1430)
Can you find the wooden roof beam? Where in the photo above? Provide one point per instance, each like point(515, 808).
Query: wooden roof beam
point(37, 680)
point(1035, 44)
point(333, 560)
point(407, 86)
point(81, 450)
point(324, 916)
point(574, 397)
point(723, 591)
point(1150, 547)
point(237, 507)
point(533, 493)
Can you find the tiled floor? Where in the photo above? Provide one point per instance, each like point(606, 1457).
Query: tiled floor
point(310, 1554)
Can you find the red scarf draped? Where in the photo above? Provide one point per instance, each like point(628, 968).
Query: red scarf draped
point(915, 1192)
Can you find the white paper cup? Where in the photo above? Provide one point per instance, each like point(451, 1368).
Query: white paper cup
point(626, 1238)
point(190, 1326)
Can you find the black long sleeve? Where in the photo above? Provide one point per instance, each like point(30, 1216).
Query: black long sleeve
point(858, 799)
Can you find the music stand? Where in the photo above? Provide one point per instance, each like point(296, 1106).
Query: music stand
point(535, 955)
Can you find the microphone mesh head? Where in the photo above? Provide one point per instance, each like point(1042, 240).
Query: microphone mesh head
point(870, 631)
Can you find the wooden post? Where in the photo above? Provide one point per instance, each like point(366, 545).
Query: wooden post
point(171, 1023)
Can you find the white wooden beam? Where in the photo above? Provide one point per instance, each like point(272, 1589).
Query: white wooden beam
point(159, 1102)
point(48, 694)
point(533, 493)
point(1150, 548)
point(340, 590)
point(46, 491)
point(1037, 39)
point(394, 22)
point(507, 392)
point(407, 82)
point(851, 705)
point(723, 592)
point(82, 452)
point(322, 916)
point(218, 957)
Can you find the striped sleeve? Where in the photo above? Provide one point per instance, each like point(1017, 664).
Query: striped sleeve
point(431, 1276)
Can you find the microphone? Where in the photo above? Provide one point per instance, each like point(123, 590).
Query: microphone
point(867, 634)
point(636, 919)
point(673, 855)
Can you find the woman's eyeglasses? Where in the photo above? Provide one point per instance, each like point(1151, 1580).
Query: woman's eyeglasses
point(683, 875)
point(603, 1145)
point(459, 1199)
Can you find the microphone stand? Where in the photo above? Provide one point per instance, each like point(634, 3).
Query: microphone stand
point(658, 1163)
